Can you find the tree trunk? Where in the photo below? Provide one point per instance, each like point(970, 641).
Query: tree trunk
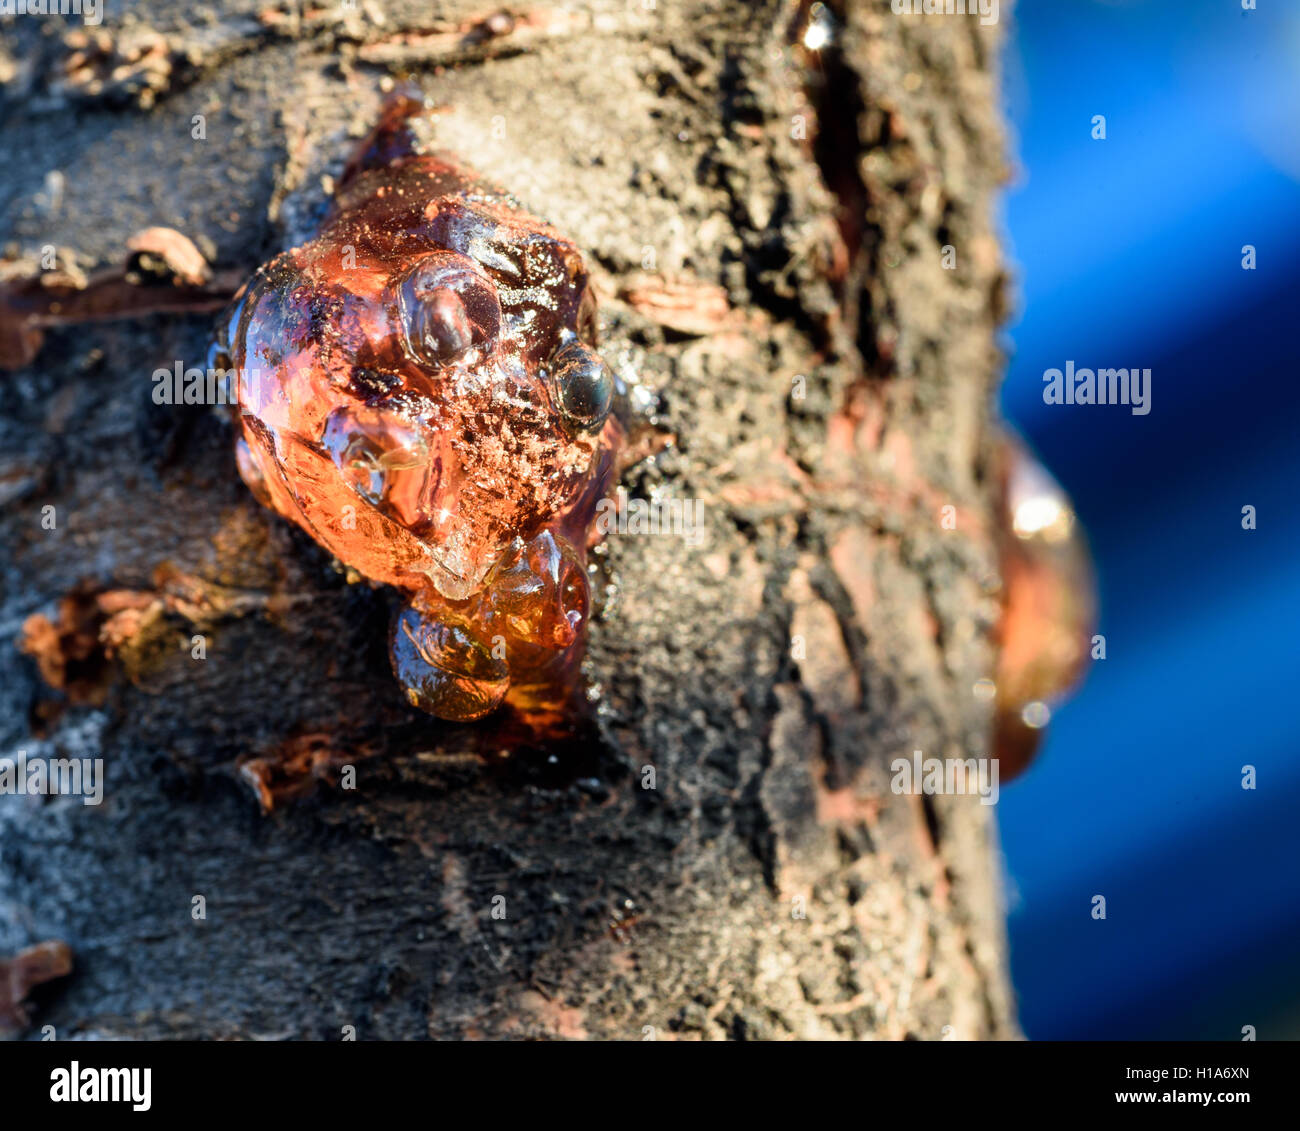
point(720, 855)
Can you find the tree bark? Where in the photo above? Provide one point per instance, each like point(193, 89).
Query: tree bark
point(720, 855)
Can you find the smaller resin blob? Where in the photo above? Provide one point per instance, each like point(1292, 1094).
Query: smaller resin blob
point(1049, 606)
point(419, 391)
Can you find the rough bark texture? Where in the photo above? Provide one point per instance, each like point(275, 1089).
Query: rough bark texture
point(770, 885)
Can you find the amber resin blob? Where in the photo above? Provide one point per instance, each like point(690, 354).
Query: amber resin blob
point(419, 390)
point(1049, 605)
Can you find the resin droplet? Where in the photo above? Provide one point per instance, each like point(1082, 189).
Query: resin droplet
point(419, 391)
point(1048, 607)
point(444, 669)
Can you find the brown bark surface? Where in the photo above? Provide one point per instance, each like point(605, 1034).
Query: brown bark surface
point(765, 225)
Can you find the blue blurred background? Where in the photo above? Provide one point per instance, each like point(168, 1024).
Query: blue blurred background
point(1128, 252)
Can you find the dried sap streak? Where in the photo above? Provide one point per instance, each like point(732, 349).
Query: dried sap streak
point(418, 389)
